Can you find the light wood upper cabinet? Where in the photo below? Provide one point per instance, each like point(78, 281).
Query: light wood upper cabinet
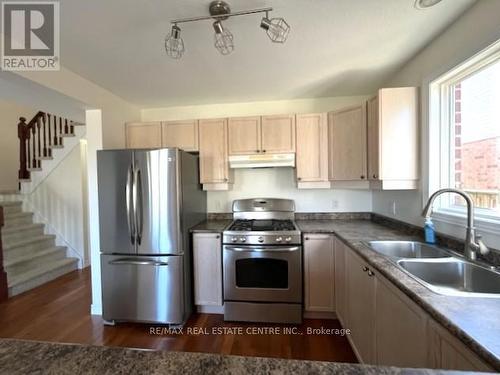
point(347, 141)
point(361, 289)
point(319, 272)
point(181, 134)
point(143, 134)
point(214, 166)
point(373, 139)
point(207, 269)
point(312, 147)
point(278, 134)
point(393, 138)
point(244, 135)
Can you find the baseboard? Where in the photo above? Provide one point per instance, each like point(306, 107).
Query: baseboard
point(320, 315)
point(209, 309)
point(95, 310)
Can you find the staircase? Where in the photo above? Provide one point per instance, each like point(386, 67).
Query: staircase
point(30, 257)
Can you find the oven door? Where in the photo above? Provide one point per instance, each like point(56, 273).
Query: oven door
point(263, 273)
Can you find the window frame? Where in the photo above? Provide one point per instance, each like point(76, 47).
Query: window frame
point(440, 126)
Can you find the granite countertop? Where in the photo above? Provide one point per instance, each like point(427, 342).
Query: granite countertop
point(30, 357)
point(211, 226)
point(474, 321)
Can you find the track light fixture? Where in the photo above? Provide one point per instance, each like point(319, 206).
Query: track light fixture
point(174, 45)
point(223, 39)
point(277, 29)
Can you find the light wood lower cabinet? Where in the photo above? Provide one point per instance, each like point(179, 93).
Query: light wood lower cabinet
point(387, 328)
point(214, 164)
point(207, 269)
point(180, 134)
point(398, 321)
point(361, 288)
point(312, 150)
point(340, 282)
point(446, 352)
point(143, 134)
point(347, 142)
point(319, 273)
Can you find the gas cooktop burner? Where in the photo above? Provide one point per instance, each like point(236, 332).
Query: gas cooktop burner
point(261, 225)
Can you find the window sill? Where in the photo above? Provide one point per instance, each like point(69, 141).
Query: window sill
point(459, 218)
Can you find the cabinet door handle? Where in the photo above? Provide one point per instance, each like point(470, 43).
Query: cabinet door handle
point(299, 178)
point(374, 176)
point(217, 236)
point(365, 269)
point(306, 238)
point(362, 177)
point(370, 273)
point(257, 151)
point(263, 150)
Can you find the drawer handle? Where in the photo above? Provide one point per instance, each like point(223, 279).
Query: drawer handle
point(138, 262)
point(370, 273)
point(365, 269)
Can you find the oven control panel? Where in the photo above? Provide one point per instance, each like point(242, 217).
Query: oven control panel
point(265, 239)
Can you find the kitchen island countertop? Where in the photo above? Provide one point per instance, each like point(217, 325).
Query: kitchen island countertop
point(30, 357)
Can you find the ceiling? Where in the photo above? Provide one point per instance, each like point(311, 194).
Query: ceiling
point(335, 48)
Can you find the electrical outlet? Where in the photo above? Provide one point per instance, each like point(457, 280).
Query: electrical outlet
point(335, 203)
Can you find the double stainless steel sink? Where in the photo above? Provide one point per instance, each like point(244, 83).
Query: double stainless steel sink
point(441, 270)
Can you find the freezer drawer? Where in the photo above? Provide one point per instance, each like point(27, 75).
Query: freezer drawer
point(143, 288)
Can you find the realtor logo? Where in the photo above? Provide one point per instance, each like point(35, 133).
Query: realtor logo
point(30, 35)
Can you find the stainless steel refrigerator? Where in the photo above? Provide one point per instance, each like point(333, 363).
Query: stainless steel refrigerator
point(148, 201)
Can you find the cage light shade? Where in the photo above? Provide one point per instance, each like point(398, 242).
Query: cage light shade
point(174, 45)
point(223, 39)
point(277, 29)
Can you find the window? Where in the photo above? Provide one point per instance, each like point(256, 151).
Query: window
point(466, 124)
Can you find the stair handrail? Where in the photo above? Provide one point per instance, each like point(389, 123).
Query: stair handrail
point(4, 288)
point(38, 137)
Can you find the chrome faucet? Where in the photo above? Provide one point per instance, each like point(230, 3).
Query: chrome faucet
point(473, 242)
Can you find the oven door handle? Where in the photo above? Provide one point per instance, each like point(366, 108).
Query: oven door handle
point(263, 249)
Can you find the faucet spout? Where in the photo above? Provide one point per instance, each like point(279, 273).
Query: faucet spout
point(472, 245)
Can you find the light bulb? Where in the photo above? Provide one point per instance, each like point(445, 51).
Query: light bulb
point(276, 28)
point(223, 39)
point(174, 45)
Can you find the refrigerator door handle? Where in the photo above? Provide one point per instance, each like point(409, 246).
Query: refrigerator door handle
point(137, 203)
point(139, 262)
point(130, 219)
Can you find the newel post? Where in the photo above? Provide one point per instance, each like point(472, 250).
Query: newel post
point(4, 289)
point(23, 135)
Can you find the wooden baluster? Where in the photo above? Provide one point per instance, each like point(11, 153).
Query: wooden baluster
point(33, 142)
point(55, 131)
point(44, 136)
point(66, 129)
point(38, 131)
point(4, 288)
point(60, 131)
point(21, 134)
point(50, 134)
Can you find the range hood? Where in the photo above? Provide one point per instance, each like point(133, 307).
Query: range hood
point(262, 161)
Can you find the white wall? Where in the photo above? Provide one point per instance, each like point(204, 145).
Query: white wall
point(58, 202)
point(280, 183)
point(272, 182)
point(474, 31)
point(115, 110)
point(9, 143)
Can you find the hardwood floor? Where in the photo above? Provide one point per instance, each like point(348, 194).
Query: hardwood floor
point(59, 312)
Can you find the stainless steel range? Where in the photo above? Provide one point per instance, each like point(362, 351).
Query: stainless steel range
point(262, 252)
